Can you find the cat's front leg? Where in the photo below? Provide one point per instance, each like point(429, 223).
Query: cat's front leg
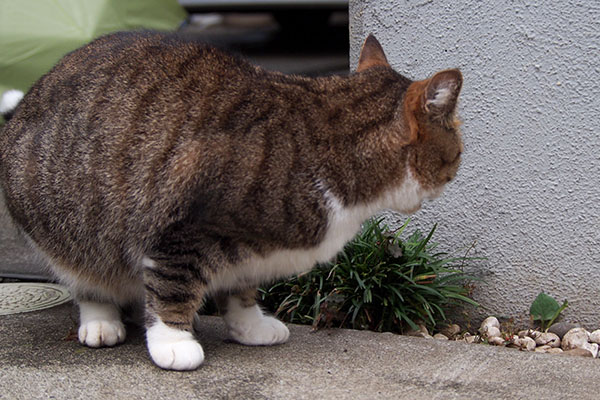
point(173, 348)
point(172, 298)
point(246, 322)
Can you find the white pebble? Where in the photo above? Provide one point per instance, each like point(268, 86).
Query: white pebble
point(595, 336)
point(496, 341)
point(525, 343)
point(491, 331)
point(526, 333)
point(575, 338)
point(489, 322)
point(471, 339)
point(542, 349)
point(546, 338)
point(592, 348)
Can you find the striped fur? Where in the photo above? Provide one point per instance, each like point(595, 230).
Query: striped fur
point(148, 167)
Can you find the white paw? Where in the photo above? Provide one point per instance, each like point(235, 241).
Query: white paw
point(98, 333)
point(261, 331)
point(173, 348)
point(100, 324)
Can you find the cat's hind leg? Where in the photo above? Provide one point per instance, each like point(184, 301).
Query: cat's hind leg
point(99, 302)
point(246, 321)
point(100, 324)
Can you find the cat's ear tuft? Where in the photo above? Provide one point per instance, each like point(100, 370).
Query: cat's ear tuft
point(371, 54)
point(441, 93)
point(433, 98)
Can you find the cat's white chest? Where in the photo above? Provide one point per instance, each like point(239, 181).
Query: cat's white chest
point(344, 223)
point(342, 226)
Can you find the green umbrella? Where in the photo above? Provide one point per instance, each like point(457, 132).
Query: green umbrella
point(35, 34)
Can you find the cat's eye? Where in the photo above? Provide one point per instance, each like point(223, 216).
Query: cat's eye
point(452, 159)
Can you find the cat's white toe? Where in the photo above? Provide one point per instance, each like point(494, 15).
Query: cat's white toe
point(173, 348)
point(99, 333)
point(260, 332)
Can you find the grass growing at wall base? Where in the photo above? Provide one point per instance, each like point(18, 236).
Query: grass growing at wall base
point(378, 282)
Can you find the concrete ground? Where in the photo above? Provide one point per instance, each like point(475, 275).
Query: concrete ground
point(40, 359)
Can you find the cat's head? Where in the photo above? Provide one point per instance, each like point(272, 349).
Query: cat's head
point(427, 124)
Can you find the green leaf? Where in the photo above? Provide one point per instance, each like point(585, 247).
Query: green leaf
point(544, 308)
point(462, 298)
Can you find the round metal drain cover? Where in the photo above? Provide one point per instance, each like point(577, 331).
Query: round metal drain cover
point(30, 296)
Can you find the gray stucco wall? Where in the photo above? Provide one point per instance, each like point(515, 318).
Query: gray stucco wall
point(528, 190)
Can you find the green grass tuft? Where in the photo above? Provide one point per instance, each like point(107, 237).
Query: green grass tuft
point(378, 282)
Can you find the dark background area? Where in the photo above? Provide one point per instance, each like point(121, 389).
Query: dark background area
point(302, 40)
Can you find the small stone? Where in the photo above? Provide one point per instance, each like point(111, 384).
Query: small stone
point(491, 331)
point(575, 338)
point(535, 334)
point(542, 349)
point(471, 338)
point(496, 341)
point(561, 328)
point(440, 336)
point(554, 350)
point(578, 352)
point(546, 338)
point(487, 323)
point(451, 330)
point(511, 341)
point(421, 332)
point(595, 336)
point(593, 348)
point(526, 343)
point(416, 333)
point(526, 333)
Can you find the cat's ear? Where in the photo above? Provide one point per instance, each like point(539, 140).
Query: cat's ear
point(441, 93)
point(371, 54)
point(434, 98)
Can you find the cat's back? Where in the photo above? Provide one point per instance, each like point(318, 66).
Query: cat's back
point(130, 68)
point(122, 89)
point(108, 127)
point(168, 55)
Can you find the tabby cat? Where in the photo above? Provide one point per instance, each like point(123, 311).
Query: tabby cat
point(150, 169)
